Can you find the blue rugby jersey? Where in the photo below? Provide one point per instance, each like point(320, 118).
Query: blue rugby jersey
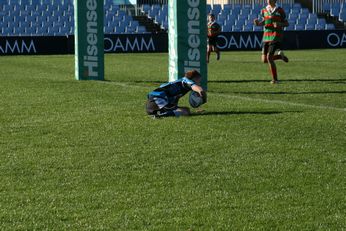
point(171, 92)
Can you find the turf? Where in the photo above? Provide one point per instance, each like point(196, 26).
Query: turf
point(83, 155)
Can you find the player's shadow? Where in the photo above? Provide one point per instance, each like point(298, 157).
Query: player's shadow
point(226, 113)
point(289, 93)
point(342, 81)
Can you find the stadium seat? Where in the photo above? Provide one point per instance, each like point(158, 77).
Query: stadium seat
point(226, 28)
point(330, 26)
point(299, 27)
point(335, 10)
point(258, 28)
point(141, 29)
point(320, 27)
point(310, 27)
point(326, 7)
point(342, 16)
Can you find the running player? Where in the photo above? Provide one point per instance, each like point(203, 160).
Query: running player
point(214, 30)
point(274, 20)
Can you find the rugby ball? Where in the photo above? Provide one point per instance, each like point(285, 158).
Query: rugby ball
point(195, 99)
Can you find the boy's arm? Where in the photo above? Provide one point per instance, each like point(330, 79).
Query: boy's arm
point(258, 23)
point(200, 91)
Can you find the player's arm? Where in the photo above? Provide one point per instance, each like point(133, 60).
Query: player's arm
point(258, 23)
point(284, 23)
point(199, 89)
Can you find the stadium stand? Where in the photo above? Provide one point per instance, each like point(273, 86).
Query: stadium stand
point(239, 17)
point(56, 17)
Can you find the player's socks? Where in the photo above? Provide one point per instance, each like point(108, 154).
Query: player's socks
point(218, 55)
point(274, 73)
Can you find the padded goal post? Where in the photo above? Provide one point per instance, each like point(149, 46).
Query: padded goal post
point(187, 23)
point(89, 39)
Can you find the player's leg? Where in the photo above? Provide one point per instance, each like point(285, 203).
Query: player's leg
point(209, 49)
point(272, 65)
point(176, 112)
point(264, 52)
point(151, 107)
point(280, 53)
point(217, 52)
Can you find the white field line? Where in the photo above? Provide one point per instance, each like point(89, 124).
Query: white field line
point(246, 98)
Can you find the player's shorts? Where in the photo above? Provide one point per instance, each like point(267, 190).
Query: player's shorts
point(160, 107)
point(212, 41)
point(270, 47)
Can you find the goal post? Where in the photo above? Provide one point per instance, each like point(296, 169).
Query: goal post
point(187, 33)
point(89, 39)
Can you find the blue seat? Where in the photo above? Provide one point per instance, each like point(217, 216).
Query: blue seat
point(53, 30)
point(301, 21)
point(141, 29)
point(290, 27)
point(227, 7)
point(258, 28)
point(310, 27)
point(216, 9)
point(134, 23)
point(7, 31)
point(319, 27)
point(248, 27)
point(342, 16)
point(146, 7)
point(330, 26)
point(130, 30)
point(19, 31)
point(326, 7)
point(120, 29)
point(299, 27)
point(335, 9)
point(237, 28)
point(245, 11)
point(311, 21)
point(208, 9)
point(321, 21)
point(226, 28)
point(30, 31)
point(108, 30)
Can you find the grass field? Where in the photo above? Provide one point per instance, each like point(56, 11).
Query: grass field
point(83, 155)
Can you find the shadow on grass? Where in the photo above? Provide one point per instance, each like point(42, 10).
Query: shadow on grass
point(341, 81)
point(225, 113)
point(289, 93)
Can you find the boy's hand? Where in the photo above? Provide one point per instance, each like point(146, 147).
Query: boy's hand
point(256, 22)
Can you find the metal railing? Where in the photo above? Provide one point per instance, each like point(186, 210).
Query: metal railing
point(150, 2)
point(247, 2)
point(216, 2)
point(317, 5)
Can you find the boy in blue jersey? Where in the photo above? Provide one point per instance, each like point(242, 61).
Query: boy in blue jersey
point(163, 101)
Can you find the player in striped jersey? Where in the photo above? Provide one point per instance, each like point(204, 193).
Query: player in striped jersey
point(163, 101)
point(214, 30)
point(274, 20)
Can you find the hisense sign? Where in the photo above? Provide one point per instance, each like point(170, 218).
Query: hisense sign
point(89, 41)
point(187, 38)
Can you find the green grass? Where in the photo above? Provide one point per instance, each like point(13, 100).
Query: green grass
point(83, 155)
